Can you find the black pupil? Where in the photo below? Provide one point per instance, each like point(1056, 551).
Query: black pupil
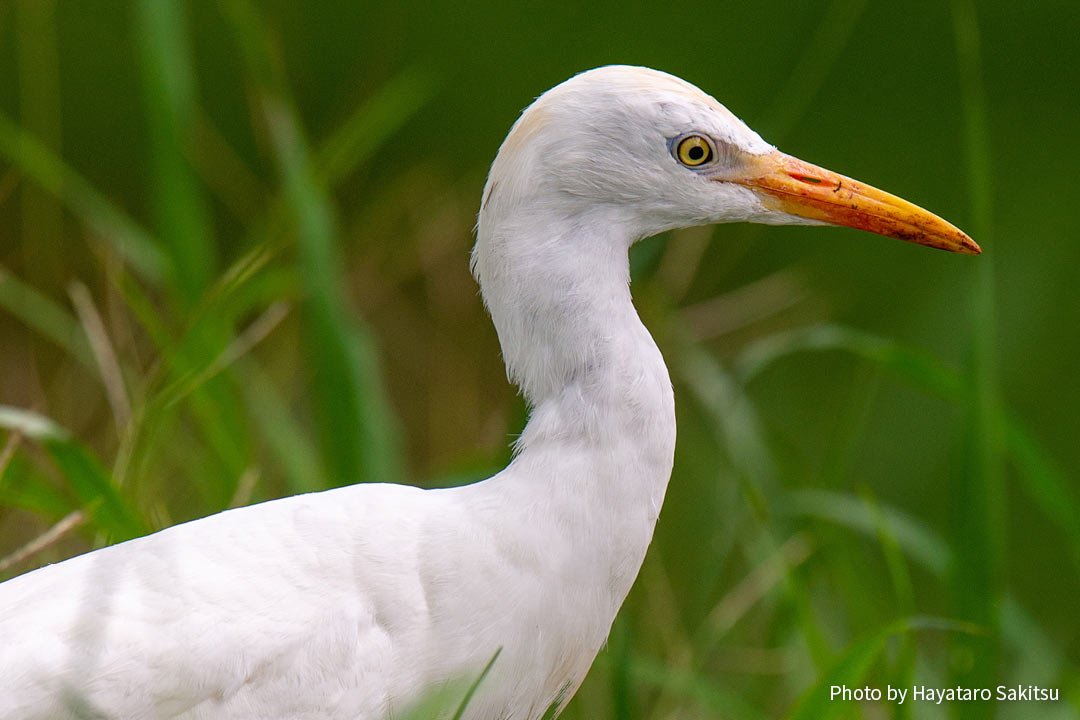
point(696, 153)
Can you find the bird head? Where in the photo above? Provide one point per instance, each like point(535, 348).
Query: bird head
point(653, 152)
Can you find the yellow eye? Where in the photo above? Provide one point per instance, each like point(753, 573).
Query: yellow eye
point(694, 150)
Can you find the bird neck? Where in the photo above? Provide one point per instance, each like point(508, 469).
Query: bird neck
point(600, 439)
point(559, 296)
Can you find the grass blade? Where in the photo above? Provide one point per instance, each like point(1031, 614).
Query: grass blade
point(476, 684)
point(917, 541)
point(38, 83)
point(23, 487)
point(1045, 482)
point(919, 368)
point(978, 490)
point(46, 317)
point(112, 378)
point(96, 211)
point(809, 74)
point(372, 124)
point(288, 441)
point(50, 537)
point(358, 431)
point(87, 478)
point(168, 83)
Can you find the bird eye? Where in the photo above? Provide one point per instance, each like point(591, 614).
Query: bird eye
point(694, 151)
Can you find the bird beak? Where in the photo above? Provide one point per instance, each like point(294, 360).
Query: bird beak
point(792, 186)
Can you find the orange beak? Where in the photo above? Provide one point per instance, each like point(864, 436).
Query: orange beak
point(798, 188)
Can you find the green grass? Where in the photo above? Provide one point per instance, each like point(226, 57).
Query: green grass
point(272, 297)
point(979, 492)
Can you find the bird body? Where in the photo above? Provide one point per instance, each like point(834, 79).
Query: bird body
point(357, 602)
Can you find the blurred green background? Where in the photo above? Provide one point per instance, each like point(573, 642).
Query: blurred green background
point(233, 266)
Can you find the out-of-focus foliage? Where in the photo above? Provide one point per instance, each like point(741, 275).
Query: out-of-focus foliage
point(233, 266)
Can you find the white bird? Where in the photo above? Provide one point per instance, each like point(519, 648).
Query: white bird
point(357, 602)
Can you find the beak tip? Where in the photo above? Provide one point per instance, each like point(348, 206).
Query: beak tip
point(969, 246)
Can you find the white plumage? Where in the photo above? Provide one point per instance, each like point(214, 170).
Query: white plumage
point(358, 602)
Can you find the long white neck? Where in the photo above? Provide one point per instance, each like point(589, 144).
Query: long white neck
point(558, 294)
point(601, 435)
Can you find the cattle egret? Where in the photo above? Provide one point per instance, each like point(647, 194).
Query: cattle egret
point(357, 602)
